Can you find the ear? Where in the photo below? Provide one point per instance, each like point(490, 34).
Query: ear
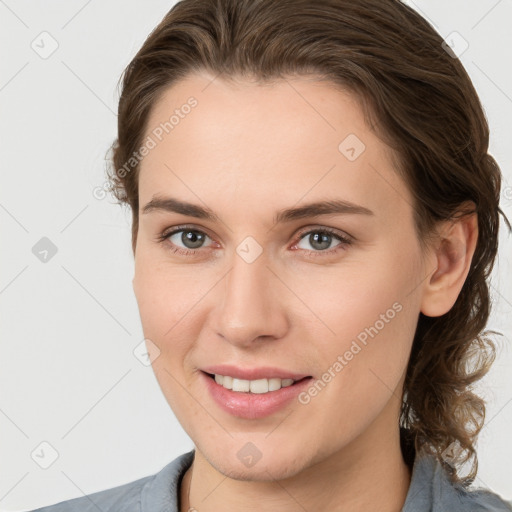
point(450, 260)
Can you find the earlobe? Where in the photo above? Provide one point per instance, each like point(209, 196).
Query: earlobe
point(453, 254)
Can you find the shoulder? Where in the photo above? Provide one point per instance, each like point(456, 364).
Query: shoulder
point(476, 500)
point(153, 493)
point(126, 496)
point(432, 490)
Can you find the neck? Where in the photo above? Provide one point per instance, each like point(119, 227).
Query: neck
point(369, 474)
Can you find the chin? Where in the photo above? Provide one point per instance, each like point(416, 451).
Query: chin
point(273, 469)
point(276, 463)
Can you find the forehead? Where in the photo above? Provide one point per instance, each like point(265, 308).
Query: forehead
point(251, 143)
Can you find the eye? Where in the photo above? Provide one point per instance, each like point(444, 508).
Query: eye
point(188, 241)
point(321, 240)
point(184, 240)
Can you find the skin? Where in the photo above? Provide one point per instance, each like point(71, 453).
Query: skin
point(247, 151)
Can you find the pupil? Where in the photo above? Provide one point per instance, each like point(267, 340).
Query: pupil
point(325, 240)
point(193, 238)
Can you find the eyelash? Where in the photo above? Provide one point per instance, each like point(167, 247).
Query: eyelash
point(344, 241)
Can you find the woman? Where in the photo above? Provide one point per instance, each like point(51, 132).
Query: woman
point(315, 216)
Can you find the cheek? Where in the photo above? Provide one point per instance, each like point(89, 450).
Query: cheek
point(366, 321)
point(361, 366)
point(166, 297)
point(346, 299)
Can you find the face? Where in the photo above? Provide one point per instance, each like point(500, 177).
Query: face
point(328, 292)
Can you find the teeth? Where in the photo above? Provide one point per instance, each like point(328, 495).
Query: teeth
point(254, 386)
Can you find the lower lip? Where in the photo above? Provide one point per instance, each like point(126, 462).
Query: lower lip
point(253, 405)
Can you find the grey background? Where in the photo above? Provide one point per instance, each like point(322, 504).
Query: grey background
point(68, 374)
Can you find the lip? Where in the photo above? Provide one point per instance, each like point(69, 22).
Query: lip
point(262, 372)
point(252, 405)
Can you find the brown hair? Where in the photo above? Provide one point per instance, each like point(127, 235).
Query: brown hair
point(427, 109)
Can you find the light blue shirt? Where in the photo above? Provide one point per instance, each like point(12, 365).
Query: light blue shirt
point(430, 490)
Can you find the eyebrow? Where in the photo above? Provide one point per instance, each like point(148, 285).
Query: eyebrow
point(329, 207)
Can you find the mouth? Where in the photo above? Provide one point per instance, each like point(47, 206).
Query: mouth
point(256, 386)
point(212, 376)
point(253, 399)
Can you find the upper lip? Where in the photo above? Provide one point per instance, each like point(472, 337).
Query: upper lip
point(262, 372)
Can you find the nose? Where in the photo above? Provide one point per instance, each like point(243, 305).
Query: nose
point(251, 306)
